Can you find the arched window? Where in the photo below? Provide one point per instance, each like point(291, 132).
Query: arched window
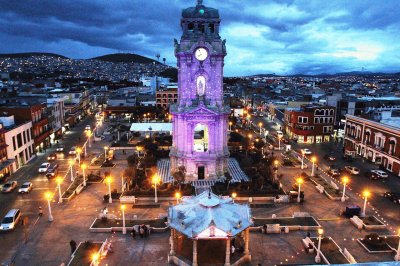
point(211, 27)
point(190, 26)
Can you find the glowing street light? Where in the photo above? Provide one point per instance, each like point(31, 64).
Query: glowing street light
point(279, 141)
point(313, 160)
point(234, 195)
point(178, 196)
point(345, 180)
point(276, 163)
point(397, 257)
point(71, 164)
point(169, 117)
point(89, 134)
point(95, 259)
point(48, 197)
point(59, 180)
point(302, 159)
point(155, 180)
point(78, 154)
point(230, 125)
point(318, 257)
point(123, 219)
point(366, 194)
point(109, 181)
point(84, 166)
point(105, 152)
point(299, 182)
point(260, 126)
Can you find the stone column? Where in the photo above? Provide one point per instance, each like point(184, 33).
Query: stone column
point(228, 252)
point(194, 259)
point(171, 241)
point(246, 241)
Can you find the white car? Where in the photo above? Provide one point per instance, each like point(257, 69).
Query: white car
point(72, 151)
point(87, 127)
point(380, 173)
point(43, 168)
point(306, 151)
point(60, 148)
point(10, 220)
point(9, 186)
point(352, 170)
point(25, 188)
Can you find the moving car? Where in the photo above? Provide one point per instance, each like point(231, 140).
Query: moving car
point(43, 168)
point(334, 172)
point(25, 188)
point(60, 148)
point(87, 127)
point(306, 151)
point(10, 220)
point(380, 173)
point(352, 170)
point(72, 151)
point(329, 157)
point(393, 196)
point(372, 176)
point(52, 157)
point(9, 186)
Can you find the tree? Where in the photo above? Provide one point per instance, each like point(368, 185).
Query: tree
point(130, 173)
point(132, 160)
point(179, 176)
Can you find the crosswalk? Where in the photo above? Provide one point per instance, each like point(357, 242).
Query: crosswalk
point(233, 168)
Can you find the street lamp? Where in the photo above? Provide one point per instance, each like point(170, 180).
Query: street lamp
point(234, 195)
point(345, 180)
point(144, 117)
point(109, 180)
point(169, 118)
point(123, 219)
point(178, 195)
point(88, 134)
point(155, 180)
point(78, 154)
point(276, 163)
point(318, 257)
point(105, 152)
point(397, 257)
point(260, 126)
point(71, 164)
point(84, 166)
point(230, 125)
point(302, 159)
point(299, 182)
point(95, 259)
point(313, 160)
point(59, 181)
point(48, 197)
point(366, 194)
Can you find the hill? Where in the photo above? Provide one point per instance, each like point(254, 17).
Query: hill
point(125, 58)
point(171, 73)
point(23, 55)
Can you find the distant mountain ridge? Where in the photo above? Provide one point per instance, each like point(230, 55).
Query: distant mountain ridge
point(29, 54)
point(126, 58)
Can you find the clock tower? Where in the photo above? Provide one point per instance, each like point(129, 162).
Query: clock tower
point(200, 117)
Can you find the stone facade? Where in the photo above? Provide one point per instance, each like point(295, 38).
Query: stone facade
point(199, 117)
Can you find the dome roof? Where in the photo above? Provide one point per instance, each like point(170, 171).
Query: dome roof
point(200, 11)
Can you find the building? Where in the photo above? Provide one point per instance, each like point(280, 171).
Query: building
point(56, 107)
point(310, 123)
point(166, 97)
point(19, 142)
point(5, 164)
point(200, 118)
point(374, 141)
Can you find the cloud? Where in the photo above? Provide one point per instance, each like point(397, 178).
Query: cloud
point(285, 37)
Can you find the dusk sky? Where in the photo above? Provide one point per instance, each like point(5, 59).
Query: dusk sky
point(263, 36)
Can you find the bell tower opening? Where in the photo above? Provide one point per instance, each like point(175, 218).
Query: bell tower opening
point(200, 141)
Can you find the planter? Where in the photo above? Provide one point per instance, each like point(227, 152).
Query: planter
point(373, 223)
point(115, 225)
point(292, 223)
point(331, 253)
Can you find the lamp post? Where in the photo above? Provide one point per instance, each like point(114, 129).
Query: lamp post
point(230, 125)
point(276, 163)
point(48, 197)
point(155, 180)
point(144, 117)
point(345, 180)
point(260, 126)
point(59, 181)
point(108, 180)
point(123, 219)
point(299, 182)
point(279, 142)
point(169, 117)
point(234, 195)
point(313, 160)
point(95, 259)
point(302, 159)
point(83, 166)
point(105, 152)
point(397, 256)
point(178, 195)
point(78, 154)
point(366, 194)
point(71, 164)
point(318, 257)
point(88, 134)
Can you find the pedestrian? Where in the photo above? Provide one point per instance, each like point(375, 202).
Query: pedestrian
point(141, 231)
point(308, 234)
point(72, 244)
point(133, 233)
point(146, 231)
point(40, 211)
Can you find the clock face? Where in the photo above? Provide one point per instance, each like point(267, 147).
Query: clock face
point(201, 54)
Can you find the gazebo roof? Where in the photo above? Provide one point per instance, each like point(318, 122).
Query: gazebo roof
point(197, 216)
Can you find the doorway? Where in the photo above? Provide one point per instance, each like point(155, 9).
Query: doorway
point(200, 172)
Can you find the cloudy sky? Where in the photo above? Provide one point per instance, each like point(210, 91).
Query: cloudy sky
point(263, 36)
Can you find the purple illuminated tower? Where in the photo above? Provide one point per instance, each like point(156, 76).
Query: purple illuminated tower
point(200, 118)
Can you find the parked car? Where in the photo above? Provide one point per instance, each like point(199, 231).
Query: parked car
point(52, 157)
point(334, 172)
point(72, 151)
point(352, 170)
point(9, 186)
point(87, 127)
point(26, 187)
point(60, 148)
point(10, 220)
point(393, 196)
point(43, 168)
point(372, 176)
point(330, 157)
point(306, 151)
point(380, 173)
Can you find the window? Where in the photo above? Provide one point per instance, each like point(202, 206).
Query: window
point(24, 135)
point(327, 129)
point(302, 119)
point(14, 147)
